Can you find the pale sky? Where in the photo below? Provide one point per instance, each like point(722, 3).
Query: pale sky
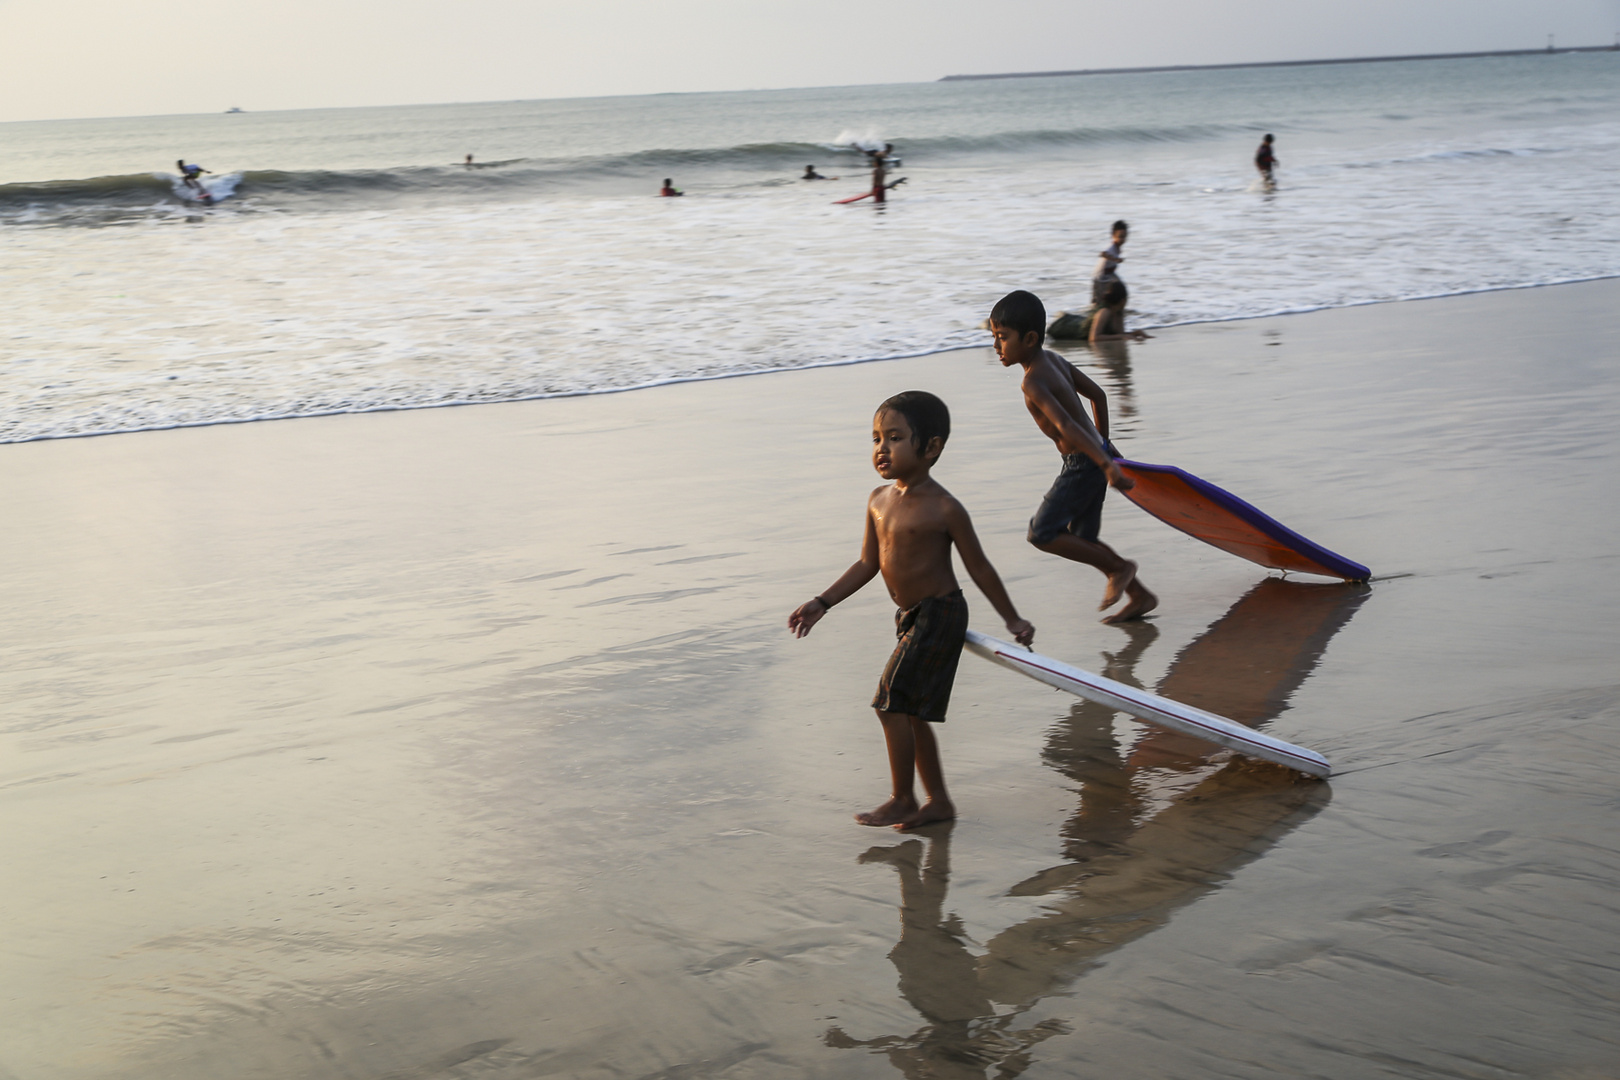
point(85, 58)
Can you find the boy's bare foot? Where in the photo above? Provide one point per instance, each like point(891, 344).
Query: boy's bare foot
point(1141, 603)
point(1118, 582)
point(892, 812)
point(927, 814)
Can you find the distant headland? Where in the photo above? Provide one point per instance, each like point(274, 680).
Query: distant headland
point(1288, 63)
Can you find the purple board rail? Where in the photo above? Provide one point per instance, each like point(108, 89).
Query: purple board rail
point(1221, 519)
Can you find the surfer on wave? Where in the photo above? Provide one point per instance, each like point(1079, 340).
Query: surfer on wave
point(190, 175)
point(910, 527)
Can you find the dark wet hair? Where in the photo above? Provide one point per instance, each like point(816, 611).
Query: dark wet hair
point(1114, 292)
point(1020, 312)
point(1121, 226)
point(1268, 138)
point(927, 415)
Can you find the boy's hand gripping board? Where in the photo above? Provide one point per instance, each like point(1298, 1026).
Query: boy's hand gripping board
point(1217, 517)
point(1149, 707)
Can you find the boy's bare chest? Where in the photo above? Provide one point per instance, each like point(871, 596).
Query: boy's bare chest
point(900, 523)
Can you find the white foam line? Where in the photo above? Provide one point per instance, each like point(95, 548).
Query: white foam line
point(1380, 300)
point(681, 379)
point(459, 402)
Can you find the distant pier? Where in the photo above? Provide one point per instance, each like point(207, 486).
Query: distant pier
point(1287, 63)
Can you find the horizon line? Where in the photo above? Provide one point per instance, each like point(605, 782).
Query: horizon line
point(1547, 51)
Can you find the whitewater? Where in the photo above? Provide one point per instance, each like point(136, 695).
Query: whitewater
point(353, 263)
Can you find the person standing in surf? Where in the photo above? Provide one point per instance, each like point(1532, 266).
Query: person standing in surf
point(1070, 516)
point(911, 524)
point(880, 171)
point(1108, 260)
point(1265, 159)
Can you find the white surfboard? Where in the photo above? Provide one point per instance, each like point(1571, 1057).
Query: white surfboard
point(1149, 707)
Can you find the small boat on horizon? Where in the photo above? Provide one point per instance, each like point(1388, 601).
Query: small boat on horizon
point(234, 108)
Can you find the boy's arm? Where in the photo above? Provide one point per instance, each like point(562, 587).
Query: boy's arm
point(864, 569)
point(1086, 388)
point(1039, 397)
point(960, 527)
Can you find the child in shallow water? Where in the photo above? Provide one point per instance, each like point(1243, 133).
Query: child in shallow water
point(911, 524)
point(1106, 322)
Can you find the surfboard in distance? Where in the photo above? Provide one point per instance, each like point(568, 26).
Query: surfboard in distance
point(852, 198)
point(1219, 518)
point(1152, 708)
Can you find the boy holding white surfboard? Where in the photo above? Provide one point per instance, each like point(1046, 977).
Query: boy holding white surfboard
point(1070, 515)
point(911, 524)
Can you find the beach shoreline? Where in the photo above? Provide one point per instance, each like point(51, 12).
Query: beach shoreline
point(813, 366)
point(469, 742)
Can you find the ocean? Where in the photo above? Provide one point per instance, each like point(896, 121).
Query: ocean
point(352, 263)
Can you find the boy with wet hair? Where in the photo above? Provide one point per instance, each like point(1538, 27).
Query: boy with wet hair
point(911, 524)
point(1070, 515)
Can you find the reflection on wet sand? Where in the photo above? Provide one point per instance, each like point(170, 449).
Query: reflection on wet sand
point(1114, 357)
point(1158, 826)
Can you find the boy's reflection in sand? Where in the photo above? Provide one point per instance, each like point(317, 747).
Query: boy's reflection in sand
point(940, 978)
point(1146, 840)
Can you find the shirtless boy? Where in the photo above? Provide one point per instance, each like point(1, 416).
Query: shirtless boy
point(1070, 515)
point(910, 527)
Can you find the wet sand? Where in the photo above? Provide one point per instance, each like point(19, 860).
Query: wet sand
point(469, 743)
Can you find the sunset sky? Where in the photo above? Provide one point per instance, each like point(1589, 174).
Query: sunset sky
point(84, 58)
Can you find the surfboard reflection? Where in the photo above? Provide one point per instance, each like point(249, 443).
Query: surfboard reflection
point(1149, 836)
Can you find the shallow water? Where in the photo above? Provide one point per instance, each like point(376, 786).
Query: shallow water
point(468, 743)
point(357, 267)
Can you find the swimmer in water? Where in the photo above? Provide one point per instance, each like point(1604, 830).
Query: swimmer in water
point(811, 174)
point(669, 188)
